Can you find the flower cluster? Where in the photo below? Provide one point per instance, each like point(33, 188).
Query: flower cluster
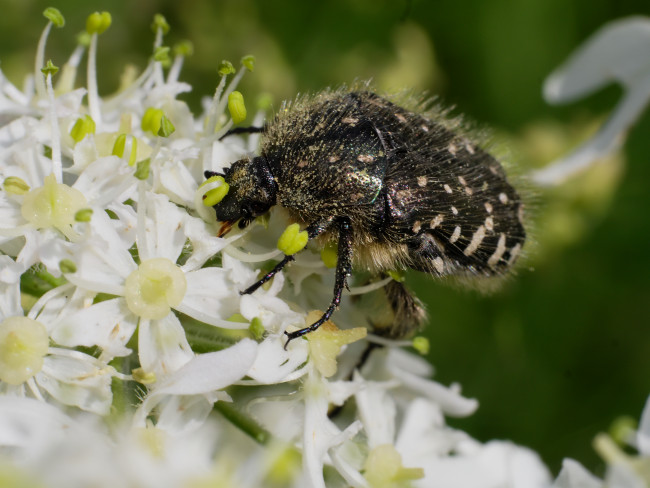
point(128, 356)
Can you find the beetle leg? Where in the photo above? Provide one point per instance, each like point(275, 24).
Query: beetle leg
point(243, 130)
point(343, 268)
point(313, 230)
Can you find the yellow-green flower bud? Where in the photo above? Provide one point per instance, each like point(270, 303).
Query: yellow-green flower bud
point(82, 127)
point(248, 62)
point(49, 68)
point(67, 266)
point(15, 185)
point(225, 68)
point(236, 107)
point(329, 254)
point(421, 345)
point(55, 16)
point(97, 22)
point(141, 376)
point(166, 127)
point(293, 240)
point(161, 54)
point(214, 196)
point(151, 120)
point(160, 22)
point(142, 169)
point(184, 48)
point(256, 328)
point(83, 215)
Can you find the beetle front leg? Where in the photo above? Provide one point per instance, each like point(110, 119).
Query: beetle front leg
point(315, 229)
point(343, 269)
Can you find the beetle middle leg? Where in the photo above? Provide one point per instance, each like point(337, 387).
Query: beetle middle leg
point(343, 269)
point(314, 230)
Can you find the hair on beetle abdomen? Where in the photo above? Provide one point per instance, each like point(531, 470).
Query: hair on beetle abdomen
point(396, 185)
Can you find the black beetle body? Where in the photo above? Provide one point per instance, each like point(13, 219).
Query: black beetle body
point(395, 188)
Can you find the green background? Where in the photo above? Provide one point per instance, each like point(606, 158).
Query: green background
point(562, 349)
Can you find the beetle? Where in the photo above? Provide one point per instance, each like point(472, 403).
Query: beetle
point(393, 187)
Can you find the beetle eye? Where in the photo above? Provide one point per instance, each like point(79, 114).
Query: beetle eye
point(247, 212)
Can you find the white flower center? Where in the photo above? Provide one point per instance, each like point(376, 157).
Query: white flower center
point(154, 288)
point(52, 205)
point(23, 344)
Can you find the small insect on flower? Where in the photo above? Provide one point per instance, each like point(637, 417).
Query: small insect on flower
point(393, 188)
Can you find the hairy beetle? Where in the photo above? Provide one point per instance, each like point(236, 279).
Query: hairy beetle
point(395, 188)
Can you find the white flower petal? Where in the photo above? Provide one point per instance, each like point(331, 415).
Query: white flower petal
point(174, 180)
point(162, 345)
point(205, 243)
point(164, 236)
point(109, 325)
point(9, 293)
point(26, 423)
point(494, 464)
point(450, 400)
point(574, 475)
point(643, 433)
point(275, 365)
point(104, 180)
point(78, 381)
point(102, 263)
point(210, 371)
point(616, 52)
point(376, 410)
point(211, 298)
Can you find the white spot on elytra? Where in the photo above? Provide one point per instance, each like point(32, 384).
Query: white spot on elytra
point(334, 158)
point(436, 221)
point(417, 226)
point(469, 191)
point(454, 237)
point(462, 181)
point(349, 120)
point(401, 118)
point(520, 214)
point(498, 253)
point(302, 164)
point(452, 148)
point(489, 223)
point(469, 148)
point(422, 181)
point(488, 207)
point(477, 238)
point(503, 198)
point(454, 210)
point(447, 188)
point(365, 158)
point(514, 253)
point(424, 128)
point(439, 264)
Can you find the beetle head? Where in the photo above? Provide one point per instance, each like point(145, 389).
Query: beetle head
point(252, 193)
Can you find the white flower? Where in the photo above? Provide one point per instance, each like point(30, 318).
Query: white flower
point(618, 52)
point(29, 366)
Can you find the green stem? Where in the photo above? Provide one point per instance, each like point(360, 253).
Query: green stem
point(243, 422)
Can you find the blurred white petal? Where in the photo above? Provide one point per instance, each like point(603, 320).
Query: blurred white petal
point(618, 52)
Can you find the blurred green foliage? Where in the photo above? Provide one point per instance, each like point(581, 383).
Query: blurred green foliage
point(562, 349)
